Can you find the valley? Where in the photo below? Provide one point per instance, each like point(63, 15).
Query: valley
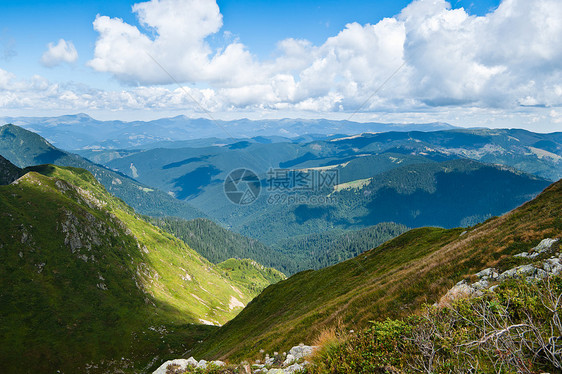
point(139, 257)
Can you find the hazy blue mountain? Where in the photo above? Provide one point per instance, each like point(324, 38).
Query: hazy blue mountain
point(81, 131)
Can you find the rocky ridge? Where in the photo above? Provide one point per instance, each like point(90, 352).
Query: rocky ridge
point(286, 363)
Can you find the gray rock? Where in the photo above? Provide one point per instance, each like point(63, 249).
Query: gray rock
point(480, 285)
point(526, 270)
point(518, 272)
point(202, 364)
point(293, 368)
point(301, 351)
point(489, 273)
point(545, 245)
point(289, 360)
point(181, 363)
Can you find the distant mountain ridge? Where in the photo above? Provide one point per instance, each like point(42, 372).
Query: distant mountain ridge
point(25, 148)
point(80, 131)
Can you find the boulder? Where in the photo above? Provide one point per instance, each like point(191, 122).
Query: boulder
point(545, 245)
point(202, 364)
point(489, 273)
point(181, 364)
point(301, 351)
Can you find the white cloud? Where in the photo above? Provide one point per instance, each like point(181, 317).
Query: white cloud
point(174, 35)
point(506, 58)
point(58, 53)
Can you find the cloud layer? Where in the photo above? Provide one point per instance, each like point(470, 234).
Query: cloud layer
point(449, 60)
point(507, 58)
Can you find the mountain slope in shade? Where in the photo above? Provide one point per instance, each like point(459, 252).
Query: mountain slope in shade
point(25, 148)
point(445, 194)
point(392, 280)
point(87, 285)
point(8, 171)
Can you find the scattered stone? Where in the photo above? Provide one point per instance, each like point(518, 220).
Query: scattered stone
point(293, 368)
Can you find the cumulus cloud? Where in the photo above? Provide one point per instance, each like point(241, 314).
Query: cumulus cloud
point(507, 58)
point(174, 33)
point(58, 53)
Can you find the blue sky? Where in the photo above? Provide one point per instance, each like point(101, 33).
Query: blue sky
point(283, 58)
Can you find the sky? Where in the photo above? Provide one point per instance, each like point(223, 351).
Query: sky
point(469, 63)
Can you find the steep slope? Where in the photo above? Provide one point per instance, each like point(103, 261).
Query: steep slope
point(86, 283)
point(25, 148)
point(389, 281)
point(8, 172)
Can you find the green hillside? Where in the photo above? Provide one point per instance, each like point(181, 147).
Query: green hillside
point(392, 280)
point(86, 283)
point(25, 148)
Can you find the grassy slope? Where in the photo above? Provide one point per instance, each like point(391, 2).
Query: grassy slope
point(86, 280)
point(250, 275)
point(389, 281)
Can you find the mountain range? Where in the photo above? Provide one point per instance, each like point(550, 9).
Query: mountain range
point(24, 148)
point(80, 131)
point(411, 178)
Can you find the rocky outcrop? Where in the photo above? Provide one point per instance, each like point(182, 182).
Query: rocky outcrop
point(489, 278)
point(544, 246)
